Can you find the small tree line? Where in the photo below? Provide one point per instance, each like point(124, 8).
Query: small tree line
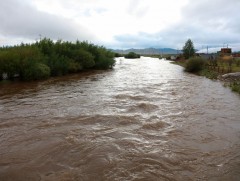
point(46, 58)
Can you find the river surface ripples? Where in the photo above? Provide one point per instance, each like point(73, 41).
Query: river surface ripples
point(144, 120)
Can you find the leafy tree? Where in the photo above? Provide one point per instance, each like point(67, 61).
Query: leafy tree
point(36, 71)
point(188, 49)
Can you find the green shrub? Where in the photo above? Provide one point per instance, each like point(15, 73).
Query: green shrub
point(74, 67)
point(104, 59)
point(83, 57)
point(235, 86)
point(195, 65)
point(117, 55)
point(103, 62)
point(57, 64)
point(36, 71)
point(35, 61)
point(42, 71)
point(132, 55)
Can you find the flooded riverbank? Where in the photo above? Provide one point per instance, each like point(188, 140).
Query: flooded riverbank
point(144, 120)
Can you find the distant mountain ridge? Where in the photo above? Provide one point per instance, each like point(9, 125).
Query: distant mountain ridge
point(149, 51)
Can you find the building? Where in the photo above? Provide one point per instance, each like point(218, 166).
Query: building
point(225, 51)
point(236, 55)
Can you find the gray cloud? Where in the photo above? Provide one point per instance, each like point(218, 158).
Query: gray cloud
point(206, 22)
point(217, 14)
point(211, 22)
point(19, 19)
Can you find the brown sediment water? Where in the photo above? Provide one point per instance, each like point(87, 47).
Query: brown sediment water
point(144, 120)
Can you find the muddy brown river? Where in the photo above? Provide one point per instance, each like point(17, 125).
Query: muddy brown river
point(145, 120)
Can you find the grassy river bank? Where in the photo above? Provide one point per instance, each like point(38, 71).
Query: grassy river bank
point(215, 70)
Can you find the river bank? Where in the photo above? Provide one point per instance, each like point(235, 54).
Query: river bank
point(231, 79)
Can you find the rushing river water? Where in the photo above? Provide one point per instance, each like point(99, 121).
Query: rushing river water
point(144, 120)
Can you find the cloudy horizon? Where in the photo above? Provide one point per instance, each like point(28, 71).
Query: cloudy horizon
point(124, 24)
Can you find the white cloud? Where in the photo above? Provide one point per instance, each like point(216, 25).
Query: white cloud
point(207, 23)
point(122, 24)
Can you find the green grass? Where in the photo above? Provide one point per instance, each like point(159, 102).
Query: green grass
point(209, 74)
point(235, 86)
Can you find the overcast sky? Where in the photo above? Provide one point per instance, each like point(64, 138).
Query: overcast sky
point(124, 23)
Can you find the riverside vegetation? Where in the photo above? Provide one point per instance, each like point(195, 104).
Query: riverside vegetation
point(47, 58)
point(213, 68)
point(132, 55)
point(203, 67)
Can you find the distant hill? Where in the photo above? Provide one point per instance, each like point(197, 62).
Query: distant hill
point(149, 51)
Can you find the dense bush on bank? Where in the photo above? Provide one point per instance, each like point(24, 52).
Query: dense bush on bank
point(47, 58)
point(132, 55)
point(195, 64)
